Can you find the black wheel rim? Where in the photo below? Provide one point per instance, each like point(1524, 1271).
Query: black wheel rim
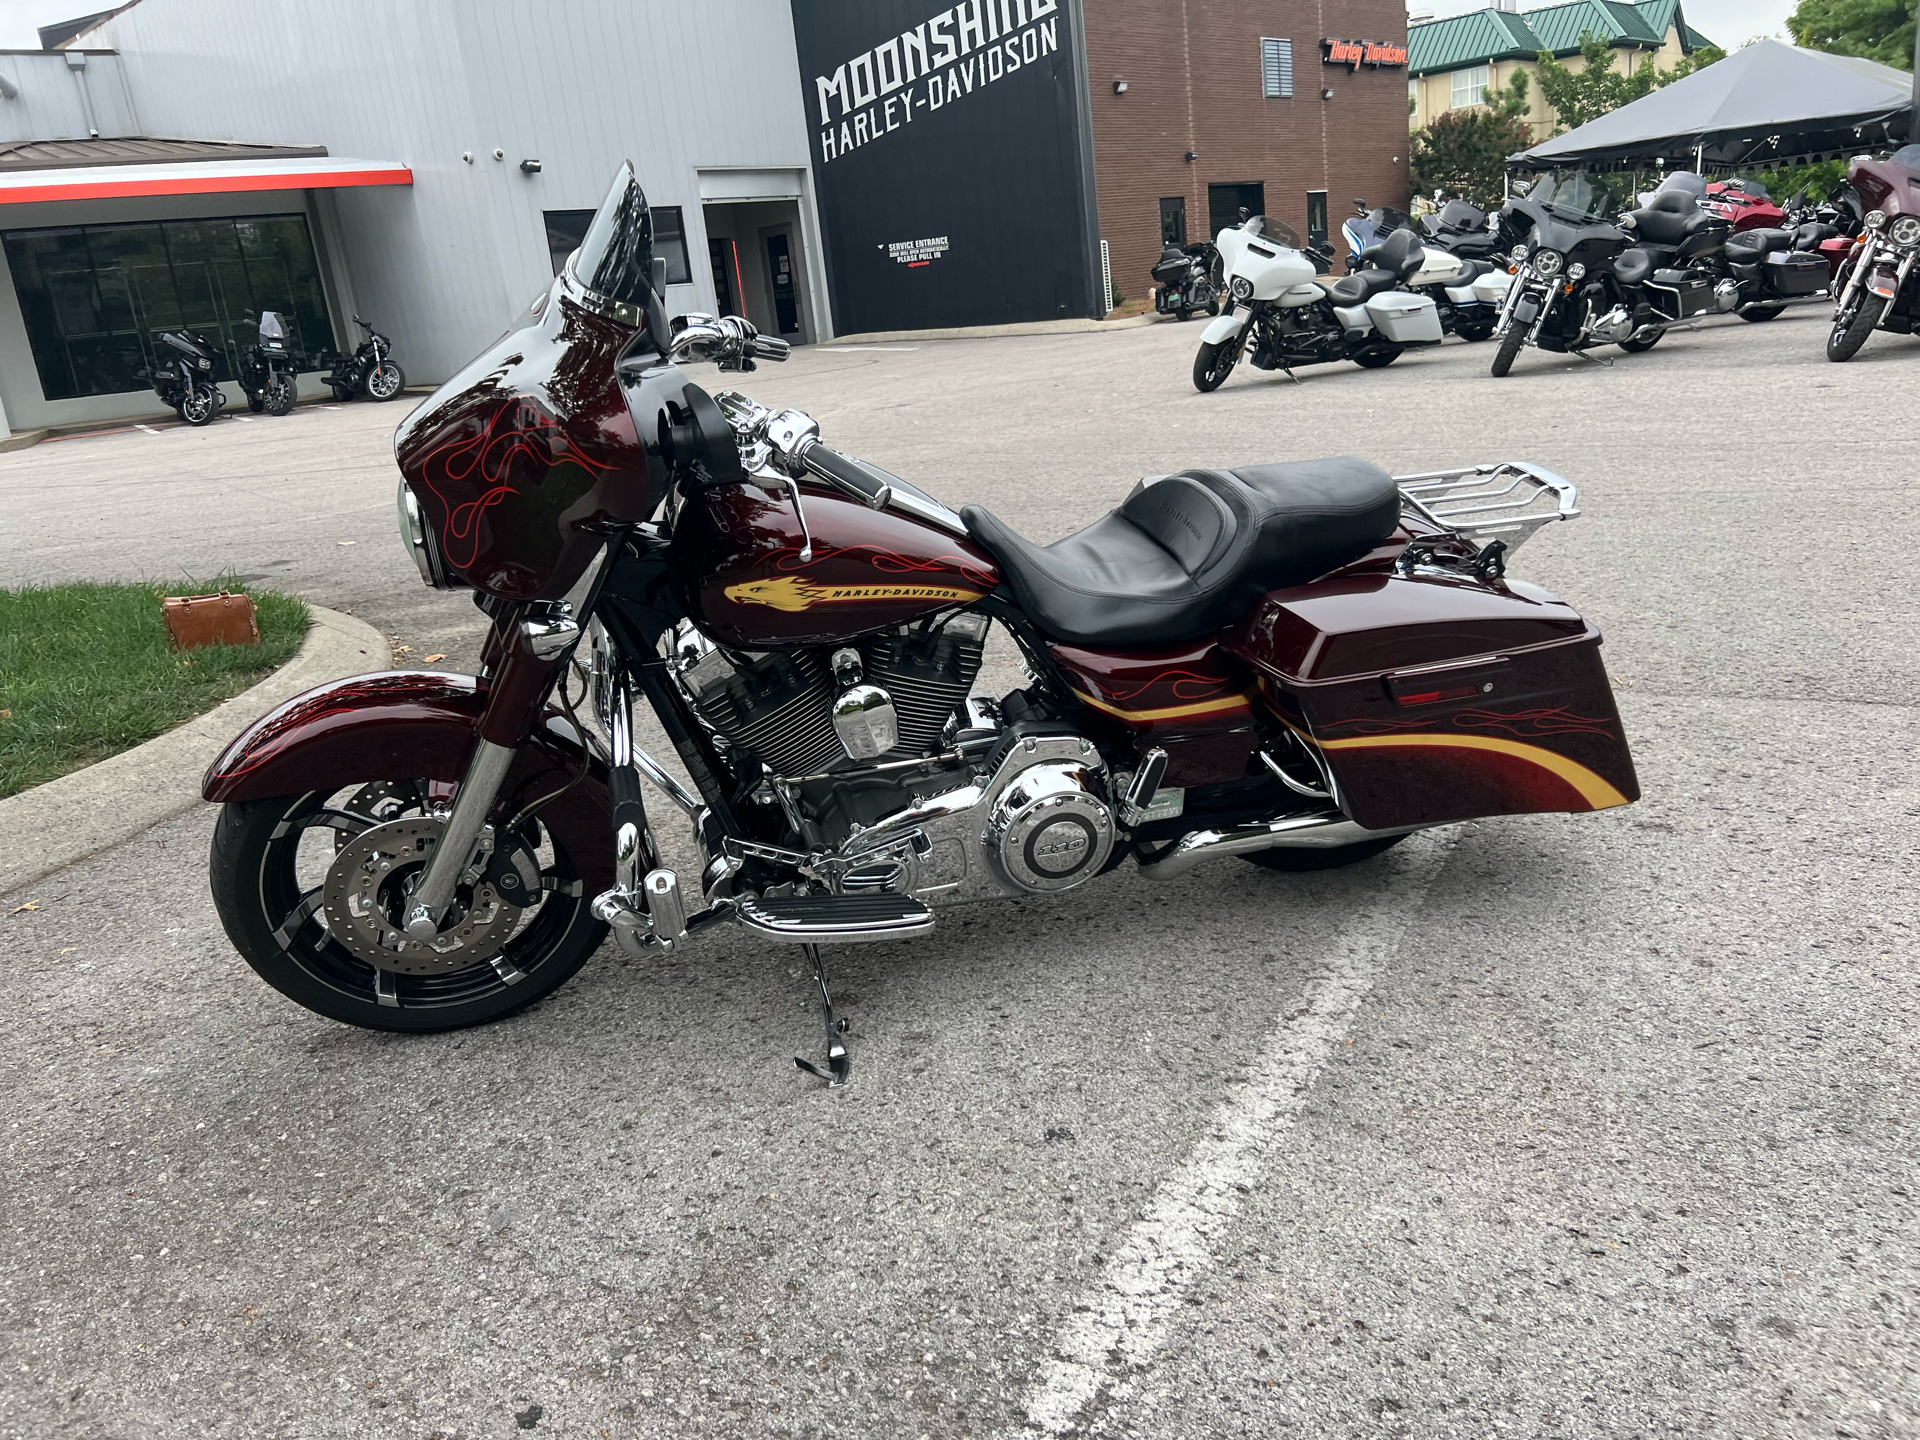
point(295, 910)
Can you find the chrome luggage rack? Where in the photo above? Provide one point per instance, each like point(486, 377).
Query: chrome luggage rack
point(1506, 501)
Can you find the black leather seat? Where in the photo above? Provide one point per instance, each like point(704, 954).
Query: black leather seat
point(1669, 218)
point(1189, 553)
point(1400, 254)
point(1748, 246)
point(1355, 289)
point(1813, 234)
point(1633, 267)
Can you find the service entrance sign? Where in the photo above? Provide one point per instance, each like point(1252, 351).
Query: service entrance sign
point(950, 160)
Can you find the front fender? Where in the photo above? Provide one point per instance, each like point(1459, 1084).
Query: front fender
point(416, 724)
point(1224, 327)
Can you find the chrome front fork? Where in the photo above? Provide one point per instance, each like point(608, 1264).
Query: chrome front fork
point(644, 907)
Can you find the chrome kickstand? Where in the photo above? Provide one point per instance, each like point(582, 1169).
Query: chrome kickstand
point(1592, 359)
point(839, 1064)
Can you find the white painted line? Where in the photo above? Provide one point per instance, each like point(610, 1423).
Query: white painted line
point(148, 428)
point(849, 349)
point(1119, 1326)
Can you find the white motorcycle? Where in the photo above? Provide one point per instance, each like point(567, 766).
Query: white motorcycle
point(1468, 293)
point(1288, 315)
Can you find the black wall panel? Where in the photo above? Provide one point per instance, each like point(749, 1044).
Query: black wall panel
point(949, 160)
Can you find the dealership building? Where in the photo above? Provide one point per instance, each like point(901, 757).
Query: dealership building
point(824, 167)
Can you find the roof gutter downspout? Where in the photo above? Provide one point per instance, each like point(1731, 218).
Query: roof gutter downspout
point(77, 63)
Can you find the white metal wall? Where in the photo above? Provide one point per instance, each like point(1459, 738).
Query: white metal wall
point(580, 85)
point(58, 102)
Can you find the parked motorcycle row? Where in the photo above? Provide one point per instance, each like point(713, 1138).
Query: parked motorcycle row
point(1562, 267)
point(185, 377)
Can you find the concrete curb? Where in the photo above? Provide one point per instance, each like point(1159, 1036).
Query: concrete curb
point(986, 332)
point(77, 816)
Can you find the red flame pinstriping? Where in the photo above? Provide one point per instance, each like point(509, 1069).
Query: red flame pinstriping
point(1525, 724)
point(509, 434)
point(897, 564)
point(1184, 684)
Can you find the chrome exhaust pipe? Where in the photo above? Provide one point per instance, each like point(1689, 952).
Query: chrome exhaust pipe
point(1328, 830)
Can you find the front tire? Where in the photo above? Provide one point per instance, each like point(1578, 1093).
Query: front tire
point(280, 396)
point(385, 381)
point(267, 871)
point(1295, 859)
point(1213, 364)
point(198, 406)
point(1510, 344)
point(1850, 332)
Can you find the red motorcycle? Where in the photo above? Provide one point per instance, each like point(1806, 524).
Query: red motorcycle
point(1298, 664)
point(1879, 286)
point(1743, 204)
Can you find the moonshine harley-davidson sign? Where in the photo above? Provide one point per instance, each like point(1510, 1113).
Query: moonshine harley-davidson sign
point(1355, 53)
point(963, 128)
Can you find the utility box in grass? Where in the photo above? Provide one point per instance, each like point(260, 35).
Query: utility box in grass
point(196, 621)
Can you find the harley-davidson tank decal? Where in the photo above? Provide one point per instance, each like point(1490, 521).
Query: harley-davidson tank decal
point(796, 592)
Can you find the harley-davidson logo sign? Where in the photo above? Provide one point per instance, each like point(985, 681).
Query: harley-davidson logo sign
point(790, 592)
point(1355, 53)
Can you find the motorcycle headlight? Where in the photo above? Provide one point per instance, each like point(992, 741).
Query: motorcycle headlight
point(1546, 263)
point(1906, 230)
point(1242, 288)
point(1576, 272)
point(1519, 252)
point(204, 364)
point(419, 541)
point(1875, 219)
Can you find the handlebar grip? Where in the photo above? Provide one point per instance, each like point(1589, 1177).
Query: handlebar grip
point(846, 473)
point(766, 347)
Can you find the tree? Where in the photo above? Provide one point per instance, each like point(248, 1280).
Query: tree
point(1876, 29)
point(1464, 152)
point(1578, 96)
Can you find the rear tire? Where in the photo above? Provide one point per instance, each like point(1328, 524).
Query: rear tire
point(1213, 364)
point(1376, 359)
point(1183, 313)
point(1643, 344)
point(1759, 313)
point(1474, 334)
point(256, 404)
point(1510, 344)
point(1850, 332)
point(341, 393)
point(258, 891)
point(1297, 858)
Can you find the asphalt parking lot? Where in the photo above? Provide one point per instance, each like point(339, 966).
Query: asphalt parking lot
point(1545, 1126)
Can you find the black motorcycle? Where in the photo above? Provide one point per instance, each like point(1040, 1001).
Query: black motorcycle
point(183, 377)
point(1461, 228)
point(369, 370)
point(1582, 280)
point(1189, 279)
point(268, 371)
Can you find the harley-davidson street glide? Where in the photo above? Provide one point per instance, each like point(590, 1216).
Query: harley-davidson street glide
point(1297, 664)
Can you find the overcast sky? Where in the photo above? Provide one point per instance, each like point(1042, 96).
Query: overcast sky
point(1728, 23)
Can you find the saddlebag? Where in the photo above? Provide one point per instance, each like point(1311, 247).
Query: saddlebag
point(1789, 273)
point(1681, 294)
point(1428, 698)
point(1406, 319)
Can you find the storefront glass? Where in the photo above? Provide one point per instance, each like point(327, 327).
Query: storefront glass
point(96, 297)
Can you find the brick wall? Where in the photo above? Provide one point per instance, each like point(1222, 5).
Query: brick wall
point(1192, 69)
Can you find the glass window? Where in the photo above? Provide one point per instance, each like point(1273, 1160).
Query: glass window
point(567, 228)
point(95, 298)
point(670, 244)
point(1173, 220)
point(1276, 69)
point(1469, 86)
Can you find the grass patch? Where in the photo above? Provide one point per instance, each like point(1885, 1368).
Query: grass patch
point(85, 671)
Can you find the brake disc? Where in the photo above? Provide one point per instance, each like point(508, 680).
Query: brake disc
point(378, 801)
point(369, 888)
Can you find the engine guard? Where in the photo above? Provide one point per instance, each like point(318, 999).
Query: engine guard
point(416, 724)
point(1224, 327)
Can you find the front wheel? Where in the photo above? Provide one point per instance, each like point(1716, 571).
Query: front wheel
point(312, 890)
point(1754, 314)
point(1640, 344)
point(1510, 344)
point(198, 405)
point(1214, 363)
point(1850, 331)
point(280, 396)
point(385, 381)
point(1296, 858)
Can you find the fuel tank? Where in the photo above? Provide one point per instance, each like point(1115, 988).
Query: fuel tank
point(745, 573)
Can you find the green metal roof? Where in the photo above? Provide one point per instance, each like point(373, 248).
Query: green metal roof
point(1481, 36)
point(1470, 39)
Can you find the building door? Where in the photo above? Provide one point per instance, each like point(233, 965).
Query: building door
point(786, 302)
point(1316, 217)
point(726, 276)
point(1173, 220)
point(1225, 202)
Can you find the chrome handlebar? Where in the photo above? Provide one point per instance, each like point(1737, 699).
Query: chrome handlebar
point(728, 340)
point(786, 444)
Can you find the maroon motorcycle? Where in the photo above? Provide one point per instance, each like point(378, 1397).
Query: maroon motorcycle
point(1879, 286)
point(1298, 664)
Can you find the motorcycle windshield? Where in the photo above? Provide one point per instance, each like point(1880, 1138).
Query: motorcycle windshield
point(1907, 155)
point(272, 327)
point(615, 259)
point(1387, 220)
point(1577, 195)
point(1686, 180)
